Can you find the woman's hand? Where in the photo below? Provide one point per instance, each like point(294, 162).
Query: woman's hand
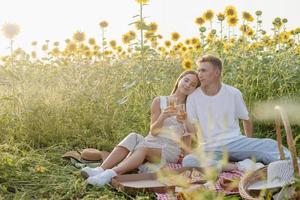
point(181, 118)
point(168, 112)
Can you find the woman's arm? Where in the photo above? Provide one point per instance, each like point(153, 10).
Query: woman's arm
point(158, 116)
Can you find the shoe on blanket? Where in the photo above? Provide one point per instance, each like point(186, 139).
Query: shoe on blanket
point(89, 171)
point(248, 165)
point(102, 179)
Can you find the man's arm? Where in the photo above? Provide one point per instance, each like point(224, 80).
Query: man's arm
point(248, 129)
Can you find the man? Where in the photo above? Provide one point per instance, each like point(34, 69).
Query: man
point(218, 107)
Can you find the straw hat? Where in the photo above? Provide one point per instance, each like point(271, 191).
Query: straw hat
point(279, 173)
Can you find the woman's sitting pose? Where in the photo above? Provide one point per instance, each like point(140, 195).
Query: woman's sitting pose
point(169, 127)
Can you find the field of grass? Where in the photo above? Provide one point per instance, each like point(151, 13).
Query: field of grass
point(83, 95)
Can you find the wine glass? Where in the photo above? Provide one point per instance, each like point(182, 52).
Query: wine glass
point(181, 113)
point(171, 101)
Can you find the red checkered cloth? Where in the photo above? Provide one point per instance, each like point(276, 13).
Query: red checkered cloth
point(229, 175)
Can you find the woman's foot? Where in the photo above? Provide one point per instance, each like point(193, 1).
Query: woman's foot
point(89, 171)
point(102, 179)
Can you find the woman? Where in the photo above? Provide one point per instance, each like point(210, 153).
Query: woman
point(159, 146)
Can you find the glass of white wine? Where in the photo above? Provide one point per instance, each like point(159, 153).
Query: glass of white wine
point(181, 114)
point(171, 101)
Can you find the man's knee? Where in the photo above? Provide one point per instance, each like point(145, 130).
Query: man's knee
point(190, 161)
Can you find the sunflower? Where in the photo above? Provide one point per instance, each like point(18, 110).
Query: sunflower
point(88, 54)
point(96, 47)
point(202, 29)
point(34, 43)
point(208, 15)
point(132, 35)
point(232, 40)
point(179, 45)
point(92, 41)
point(33, 54)
point(40, 169)
point(183, 49)
point(199, 21)
point(10, 30)
point(103, 24)
point(244, 28)
point(126, 38)
point(220, 17)
point(210, 37)
point(45, 47)
point(277, 23)
point(107, 52)
point(297, 30)
point(113, 43)
point(284, 36)
point(258, 13)
point(195, 41)
point(230, 11)
point(83, 47)
point(72, 46)
point(79, 36)
point(284, 20)
point(141, 25)
point(232, 21)
point(175, 36)
point(187, 64)
point(96, 53)
point(250, 32)
point(154, 44)
point(153, 39)
point(263, 32)
point(161, 49)
point(187, 41)
point(149, 35)
point(142, 1)
point(247, 16)
point(56, 44)
point(153, 27)
point(168, 43)
point(55, 51)
point(119, 49)
point(160, 36)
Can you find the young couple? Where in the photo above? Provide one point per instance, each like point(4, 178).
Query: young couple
point(216, 107)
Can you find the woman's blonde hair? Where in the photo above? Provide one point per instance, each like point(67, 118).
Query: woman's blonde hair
point(183, 74)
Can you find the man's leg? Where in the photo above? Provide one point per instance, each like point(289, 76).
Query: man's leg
point(262, 149)
point(195, 160)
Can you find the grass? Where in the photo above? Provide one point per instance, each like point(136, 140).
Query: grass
point(75, 99)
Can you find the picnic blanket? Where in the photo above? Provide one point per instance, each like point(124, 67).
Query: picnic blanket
point(76, 160)
point(218, 187)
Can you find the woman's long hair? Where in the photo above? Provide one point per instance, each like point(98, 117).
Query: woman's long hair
point(183, 74)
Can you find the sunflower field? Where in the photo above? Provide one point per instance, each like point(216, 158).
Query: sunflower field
point(92, 92)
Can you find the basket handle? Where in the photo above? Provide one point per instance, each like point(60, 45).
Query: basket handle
point(281, 114)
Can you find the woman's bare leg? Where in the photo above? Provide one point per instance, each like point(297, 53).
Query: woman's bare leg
point(118, 154)
point(137, 158)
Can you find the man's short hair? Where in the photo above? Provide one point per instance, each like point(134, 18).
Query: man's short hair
point(215, 61)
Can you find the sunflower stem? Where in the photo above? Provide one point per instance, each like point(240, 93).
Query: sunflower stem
point(13, 72)
point(142, 34)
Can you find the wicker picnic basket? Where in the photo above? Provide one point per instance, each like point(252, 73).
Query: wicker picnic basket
point(261, 174)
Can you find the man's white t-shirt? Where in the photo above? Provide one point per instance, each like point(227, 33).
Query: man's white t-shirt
point(217, 116)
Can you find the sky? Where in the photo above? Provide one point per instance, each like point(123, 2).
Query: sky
point(57, 20)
